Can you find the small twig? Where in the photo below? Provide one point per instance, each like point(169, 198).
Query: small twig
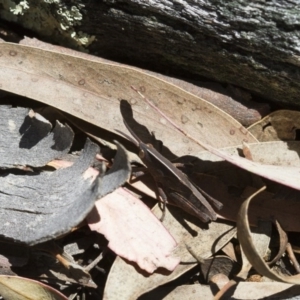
point(93, 263)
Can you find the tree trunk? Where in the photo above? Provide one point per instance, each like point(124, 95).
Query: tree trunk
point(251, 44)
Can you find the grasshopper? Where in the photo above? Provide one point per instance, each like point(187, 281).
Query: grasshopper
point(173, 184)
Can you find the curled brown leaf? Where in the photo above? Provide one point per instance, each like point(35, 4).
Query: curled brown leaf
point(245, 239)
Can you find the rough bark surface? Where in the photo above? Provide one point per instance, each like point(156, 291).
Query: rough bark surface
point(252, 44)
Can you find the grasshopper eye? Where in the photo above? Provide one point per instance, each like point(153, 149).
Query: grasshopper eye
point(150, 146)
point(141, 154)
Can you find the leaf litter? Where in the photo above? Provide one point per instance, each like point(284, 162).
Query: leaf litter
point(150, 246)
point(146, 245)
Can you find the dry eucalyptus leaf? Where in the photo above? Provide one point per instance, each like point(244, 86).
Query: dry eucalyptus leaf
point(286, 175)
point(276, 153)
point(219, 281)
point(186, 292)
point(283, 242)
point(265, 290)
point(234, 101)
point(26, 138)
point(40, 206)
point(145, 186)
point(19, 288)
point(279, 125)
point(229, 250)
point(229, 100)
point(177, 188)
point(133, 232)
point(89, 89)
point(249, 249)
point(261, 237)
point(282, 206)
point(187, 230)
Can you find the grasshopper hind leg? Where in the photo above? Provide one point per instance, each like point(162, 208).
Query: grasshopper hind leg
point(161, 194)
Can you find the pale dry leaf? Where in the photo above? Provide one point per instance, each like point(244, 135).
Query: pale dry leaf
point(265, 290)
point(219, 280)
point(20, 288)
point(133, 232)
point(92, 90)
point(186, 292)
point(233, 100)
point(187, 230)
point(276, 153)
point(279, 125)
point(286, 175)
point(144, 186)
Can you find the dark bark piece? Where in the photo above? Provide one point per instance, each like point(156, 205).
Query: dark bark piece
point(118, 174)
point(26, 140)
point(39, 207)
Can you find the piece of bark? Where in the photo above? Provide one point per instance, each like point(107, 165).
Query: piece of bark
point(40, 206)
point(26, 138)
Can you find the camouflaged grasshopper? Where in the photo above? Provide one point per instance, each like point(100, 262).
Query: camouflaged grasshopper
point(173, 185)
